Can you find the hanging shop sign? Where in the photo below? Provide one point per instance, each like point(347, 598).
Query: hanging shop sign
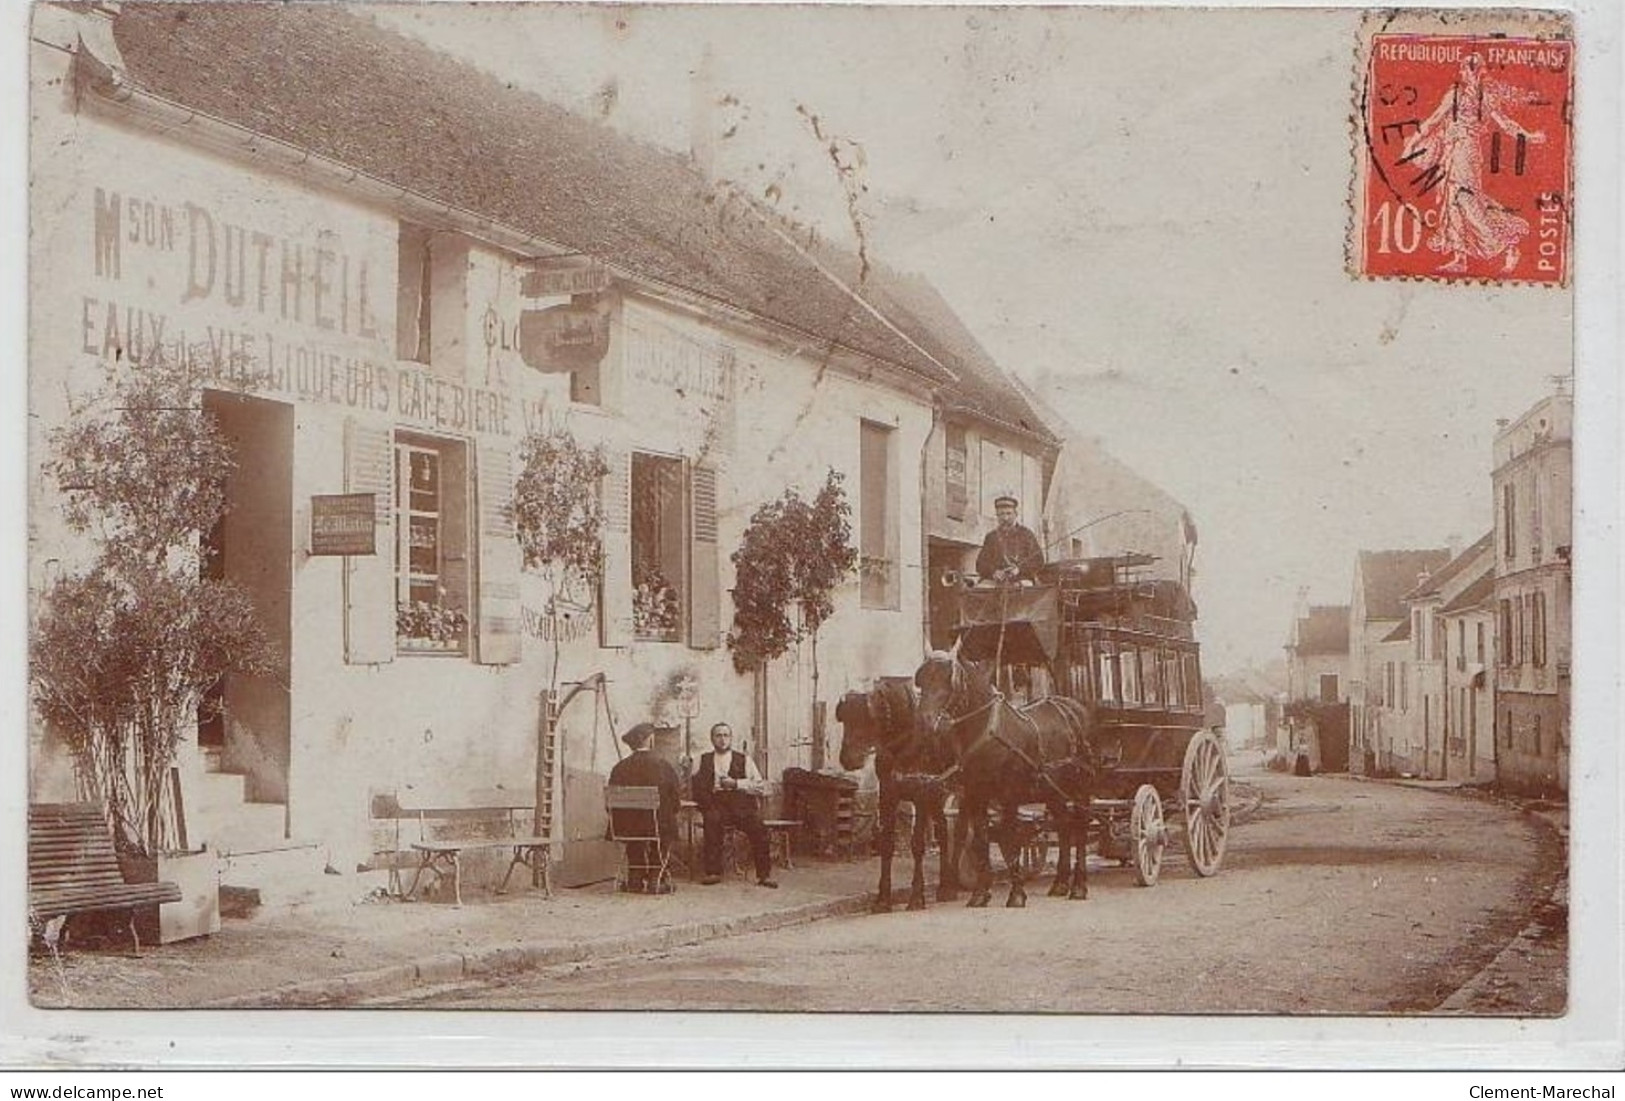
point(343, 523)
point(564, 275)
point(563, 338)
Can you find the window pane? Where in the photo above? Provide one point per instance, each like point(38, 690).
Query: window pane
point(432, 606)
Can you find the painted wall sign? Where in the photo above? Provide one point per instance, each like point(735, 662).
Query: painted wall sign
point(343, 523)
point(559, 275)
point(563, 338)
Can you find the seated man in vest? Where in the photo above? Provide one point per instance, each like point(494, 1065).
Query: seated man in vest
point(644, 769)
point(726, 787)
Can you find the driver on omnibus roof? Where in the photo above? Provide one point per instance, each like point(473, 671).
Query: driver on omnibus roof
point(1010, 552)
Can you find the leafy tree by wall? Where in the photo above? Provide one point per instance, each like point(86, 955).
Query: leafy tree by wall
point(793, 556)
point(558, 514)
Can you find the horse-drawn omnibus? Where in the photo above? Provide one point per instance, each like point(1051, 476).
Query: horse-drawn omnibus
point(1102, 632)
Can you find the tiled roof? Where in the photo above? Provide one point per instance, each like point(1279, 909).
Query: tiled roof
point(331, 81)
point(1401, 633)
point(1474, 595)
point(1437, 580)
point(1388, 575)
point(984, 388)
point(1325, 630)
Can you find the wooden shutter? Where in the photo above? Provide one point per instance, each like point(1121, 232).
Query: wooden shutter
point(369, 580)
point(615, 600)
point(704, 596)
point(498, 603)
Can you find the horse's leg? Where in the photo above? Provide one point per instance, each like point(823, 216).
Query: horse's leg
point(1010, 844)
point(1080, 833)
point(982, 891)
point(948, 850)
point(1064, 834)
point(888, 836)
point(922, 824)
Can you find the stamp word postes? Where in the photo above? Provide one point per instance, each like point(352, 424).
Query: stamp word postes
point(1465, 143)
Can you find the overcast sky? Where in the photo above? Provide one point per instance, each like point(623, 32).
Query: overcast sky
point(1142, 213)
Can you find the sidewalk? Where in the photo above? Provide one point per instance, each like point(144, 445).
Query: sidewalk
point(342, 949)
point(338, 950)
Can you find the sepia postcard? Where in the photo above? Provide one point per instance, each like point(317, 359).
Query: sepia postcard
point(922, 526)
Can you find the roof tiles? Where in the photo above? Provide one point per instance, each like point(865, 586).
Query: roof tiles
point(331, 81)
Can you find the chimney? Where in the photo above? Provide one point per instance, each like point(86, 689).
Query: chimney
point(702, 138)
point(1452, 543)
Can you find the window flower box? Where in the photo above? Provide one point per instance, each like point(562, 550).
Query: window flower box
point(422, 627)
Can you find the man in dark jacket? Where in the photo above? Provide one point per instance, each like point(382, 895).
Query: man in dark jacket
point(1010, 552)
point(726, 788)
point(644, 769)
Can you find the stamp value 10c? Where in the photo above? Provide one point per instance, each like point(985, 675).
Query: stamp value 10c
point(1463, 159)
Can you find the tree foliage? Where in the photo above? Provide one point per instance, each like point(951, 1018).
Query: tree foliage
point(125, 651)
point(557, 510)
point(792, 557)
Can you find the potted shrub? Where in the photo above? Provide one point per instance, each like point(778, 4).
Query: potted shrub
point(124, 651)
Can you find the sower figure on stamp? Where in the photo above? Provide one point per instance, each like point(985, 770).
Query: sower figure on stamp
point(726, 787)
point(1010, 553)
point(644, 769)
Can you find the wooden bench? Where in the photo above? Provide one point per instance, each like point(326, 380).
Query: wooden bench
point(72, 868)
point(489, 827)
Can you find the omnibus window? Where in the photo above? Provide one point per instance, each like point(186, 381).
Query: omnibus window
point(1129, 662)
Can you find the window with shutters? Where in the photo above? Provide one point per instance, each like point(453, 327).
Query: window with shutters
point(956, 458)
point(1509, 521)
point(881, 581)
point(431, 545)
point(1537, 630)
point(431, 292)
point(658, 539)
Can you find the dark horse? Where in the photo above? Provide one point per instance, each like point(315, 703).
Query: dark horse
point(1008, 756)
point(911, 766)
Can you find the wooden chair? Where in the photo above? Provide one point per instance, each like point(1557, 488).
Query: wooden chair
point(634, 822)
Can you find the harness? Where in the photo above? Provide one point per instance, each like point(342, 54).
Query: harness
point(997, 705)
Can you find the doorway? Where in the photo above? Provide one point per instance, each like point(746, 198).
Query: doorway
point(247, 719)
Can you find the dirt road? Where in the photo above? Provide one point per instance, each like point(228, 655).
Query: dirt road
point(1336, 896)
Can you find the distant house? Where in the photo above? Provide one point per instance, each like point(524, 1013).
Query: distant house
point(1379, 637)
point(1439, 729)
point(1469, 629)
point(1533, 485)
point(1317, 686)
point(1250, 708)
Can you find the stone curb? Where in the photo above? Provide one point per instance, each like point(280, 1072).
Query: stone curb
point(452, 966)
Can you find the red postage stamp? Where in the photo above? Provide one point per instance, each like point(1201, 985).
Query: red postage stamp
point(1463, 158)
